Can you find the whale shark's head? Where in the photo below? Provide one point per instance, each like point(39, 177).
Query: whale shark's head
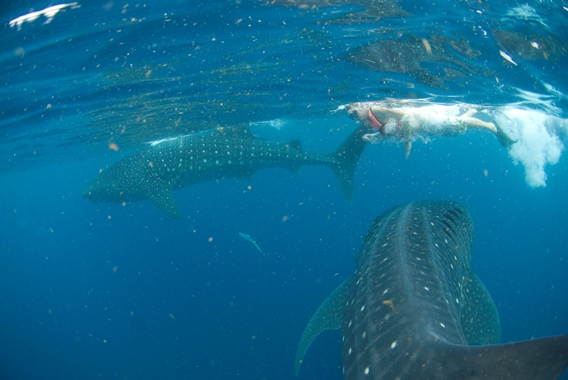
point(95, 191)
point(105, 191)
point(120, 182)
point(88, 193)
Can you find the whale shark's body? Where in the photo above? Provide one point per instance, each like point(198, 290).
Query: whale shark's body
point(155, 172)
point(414, 307)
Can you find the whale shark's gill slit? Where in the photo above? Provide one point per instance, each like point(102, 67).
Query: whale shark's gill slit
point(374, 228)
point(448, 229)
point(455, 212)
point(450, 218)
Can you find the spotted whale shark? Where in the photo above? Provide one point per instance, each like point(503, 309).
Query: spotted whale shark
point(154, 172)
point(415, 310)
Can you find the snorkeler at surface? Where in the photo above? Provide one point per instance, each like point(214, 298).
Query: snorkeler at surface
point(406, 120)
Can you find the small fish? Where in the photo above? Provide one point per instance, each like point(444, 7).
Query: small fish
point(250, 240)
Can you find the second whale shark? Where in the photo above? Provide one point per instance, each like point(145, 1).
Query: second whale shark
point(155, 172)
point(414, 309)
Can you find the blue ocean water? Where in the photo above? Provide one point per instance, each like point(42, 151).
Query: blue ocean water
point(101, 290)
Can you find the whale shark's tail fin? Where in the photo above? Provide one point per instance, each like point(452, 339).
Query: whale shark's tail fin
point(344, 160)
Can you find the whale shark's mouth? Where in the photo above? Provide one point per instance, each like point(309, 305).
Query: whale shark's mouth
point(87, 193)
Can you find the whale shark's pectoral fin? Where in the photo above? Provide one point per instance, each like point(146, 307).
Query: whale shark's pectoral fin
point(329, 316)
point(479, 316)
point(296, 169)
point(248, 175)
point(163, 198)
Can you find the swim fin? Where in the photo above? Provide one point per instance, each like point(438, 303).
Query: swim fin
point(505, 140)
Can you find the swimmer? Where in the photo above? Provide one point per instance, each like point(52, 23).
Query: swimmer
point(407, 120)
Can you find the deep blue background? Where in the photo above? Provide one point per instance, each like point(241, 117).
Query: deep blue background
point(92, 291)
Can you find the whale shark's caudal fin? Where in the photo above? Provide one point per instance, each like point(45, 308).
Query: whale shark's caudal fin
point(344, 160)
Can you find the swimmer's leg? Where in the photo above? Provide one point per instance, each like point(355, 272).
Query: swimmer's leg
point(505, 140)
point(407, 148)
point(473, 122)
point(469, 113)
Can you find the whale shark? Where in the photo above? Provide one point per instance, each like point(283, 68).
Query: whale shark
point(154, 172)
point(414, 309)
